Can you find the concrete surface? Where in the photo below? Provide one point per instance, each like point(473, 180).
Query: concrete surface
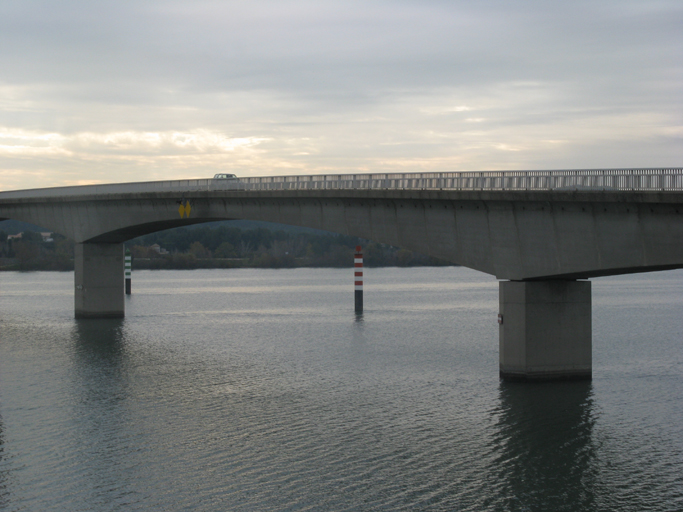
point(99, 290)
point(545, 330)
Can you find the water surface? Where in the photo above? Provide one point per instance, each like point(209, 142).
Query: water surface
point(262, 390)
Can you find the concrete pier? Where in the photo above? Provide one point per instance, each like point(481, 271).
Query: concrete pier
point(545, 330)
point(99, 280)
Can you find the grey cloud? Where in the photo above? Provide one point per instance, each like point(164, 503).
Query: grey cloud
point(365, 83)
point(306, 44)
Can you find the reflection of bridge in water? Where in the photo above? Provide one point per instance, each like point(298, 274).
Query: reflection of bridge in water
point(548, 438)
point(541, 232)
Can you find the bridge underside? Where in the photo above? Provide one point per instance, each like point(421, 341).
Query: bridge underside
point(540, 244)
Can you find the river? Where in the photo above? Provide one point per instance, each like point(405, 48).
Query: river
point(261, 390)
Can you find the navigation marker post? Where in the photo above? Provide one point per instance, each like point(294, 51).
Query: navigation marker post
point(358, 278)
point(127, 271)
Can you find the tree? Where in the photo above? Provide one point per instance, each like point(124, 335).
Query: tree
point(404, 258)
point(64, 248)
point(27, 253)
point(225, 250)
point(199, 251)
point(139, 251)
point(32, 236)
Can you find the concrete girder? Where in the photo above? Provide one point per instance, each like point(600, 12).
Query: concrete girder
point(512, 235)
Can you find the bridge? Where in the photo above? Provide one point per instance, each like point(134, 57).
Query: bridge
point(541, 233)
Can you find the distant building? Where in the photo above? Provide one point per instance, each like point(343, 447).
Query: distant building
point(158, 249)
point(46, 236)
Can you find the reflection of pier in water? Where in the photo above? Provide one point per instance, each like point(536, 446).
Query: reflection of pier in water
point(103, 339)
point(547, 448)
point(4, 492)
point(101, 410)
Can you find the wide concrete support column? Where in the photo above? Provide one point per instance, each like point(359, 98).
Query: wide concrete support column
point(545, 330)
point(99, 280)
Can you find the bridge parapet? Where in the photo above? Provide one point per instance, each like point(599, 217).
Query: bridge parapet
point(588, 179)
point(655, 179)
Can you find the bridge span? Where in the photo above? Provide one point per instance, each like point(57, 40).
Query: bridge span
point(542, 233)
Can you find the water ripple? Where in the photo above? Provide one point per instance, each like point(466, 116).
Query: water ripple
point(217, 399)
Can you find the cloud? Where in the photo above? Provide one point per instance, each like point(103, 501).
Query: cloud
point(115, 90)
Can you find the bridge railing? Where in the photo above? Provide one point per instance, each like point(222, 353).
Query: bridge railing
point(583, 179)
point(589, 179)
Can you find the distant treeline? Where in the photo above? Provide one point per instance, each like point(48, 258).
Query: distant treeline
point(33, 252)
point(216, 246)
point(225, 246)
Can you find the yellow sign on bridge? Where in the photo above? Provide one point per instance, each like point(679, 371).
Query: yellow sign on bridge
point(184, 209)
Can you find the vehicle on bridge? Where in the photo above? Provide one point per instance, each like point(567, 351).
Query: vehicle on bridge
point(224, 181)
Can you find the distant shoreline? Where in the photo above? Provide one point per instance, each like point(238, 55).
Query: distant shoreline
point(8, 265)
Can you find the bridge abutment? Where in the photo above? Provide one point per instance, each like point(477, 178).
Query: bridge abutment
point(99, 280)
point(545, 330)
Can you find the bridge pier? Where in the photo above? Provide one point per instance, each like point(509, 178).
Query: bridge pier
point(99, 280)
point(545, 330)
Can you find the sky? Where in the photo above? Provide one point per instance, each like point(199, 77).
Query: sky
point(143, 90)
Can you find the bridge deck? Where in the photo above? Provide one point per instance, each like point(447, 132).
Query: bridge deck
point(661, 179)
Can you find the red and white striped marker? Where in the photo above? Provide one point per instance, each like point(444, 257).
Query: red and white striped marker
point(358, 278)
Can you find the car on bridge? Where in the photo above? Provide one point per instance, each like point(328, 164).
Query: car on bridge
point(224, 181)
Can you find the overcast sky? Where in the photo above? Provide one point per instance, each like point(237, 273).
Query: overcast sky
point(137, 90)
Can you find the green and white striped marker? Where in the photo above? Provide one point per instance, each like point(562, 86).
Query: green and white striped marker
point(128, 269)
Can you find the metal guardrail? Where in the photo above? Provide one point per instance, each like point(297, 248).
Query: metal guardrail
point(667, 179)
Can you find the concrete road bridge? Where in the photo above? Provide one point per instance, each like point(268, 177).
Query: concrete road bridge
point(541, 233)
